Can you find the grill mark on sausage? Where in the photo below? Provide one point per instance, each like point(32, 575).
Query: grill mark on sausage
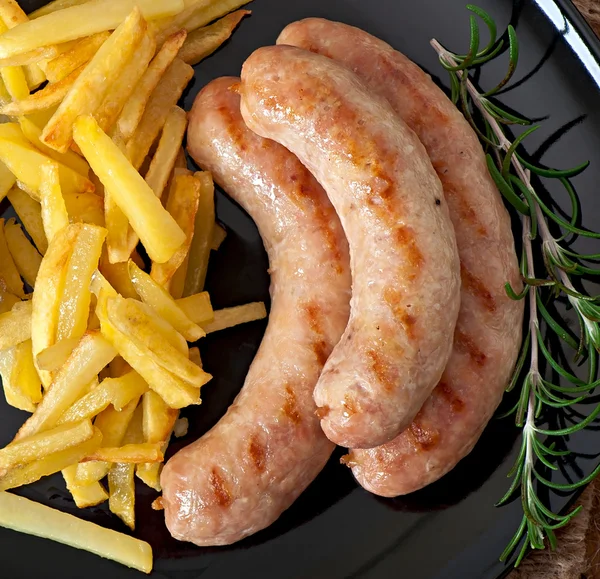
point(465, 344)
point(290, 405)
point(350, 406)
point(446, 391)
point(426, 439)
point(405, 238)
point(257, 453)
point(321, 351)
point(477, 288)
point(394, 299)
point(219, 488)
point(381, 369)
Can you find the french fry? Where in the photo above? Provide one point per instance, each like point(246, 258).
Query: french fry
point(54, 6)
point(117, 275)
point(25, 256)
point(163, 304)
point(165, 96)
point(53, 357)
point(35, 56)
point(182, 204)
point(79, 54)
point(25, 516)
point(123, 87)
point(159, 418)
point(121, 239)
point(7, 180)
point(204, 41)
point(8, 300)
point(90, 356)
point(157, 230)
point(25, 379)
point(130, 386)
point(229, 317)
point(70, 159)
point(177, 283)
point(15, 325)
point(90, 88)
point(203, 233)
point(15, 82)
point(29, 212)
point(197, 308)
point(79, 21)
point(46, 98)
point(219, 235)
point(11, 381)
point(129, 453)
point(39, 445)
point(181, 161)
point(121, 486)
point(83, 495)
point(195, 356)
point(133, 110)
point(9, 275)
point(75, 299)
point(54, 210)
point(85, 208)
point(34, 75)
point(25, 162)
point(166, 153)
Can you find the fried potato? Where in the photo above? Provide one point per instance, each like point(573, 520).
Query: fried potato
point(121, 239)
point(182, 204)
point(166, 153)
point(85, 208)
point(53, 357)
point(90, 88)
point(83, 495)
point(29, 212)
point(15, 325)
point(75, 299)
point(25, 256)
point(219, 235)
point(195, 356)
point(157, 230)
point(79, 54)
point(130, 386)
point(121, 486)
point(7, 180)
point(42, 444)
point(70, 159)
point(21, 384)
point(15, 82)
point(48, 465)
point(197, 307)
point(165, 96)
point(177, 283)
point(203, 234)
point(36, 56)
point(158, 418)
point(25, 516)
point(133, 110)
point(129, 453)
point(79, 21)
point(204, 41)
point(8, 300)
point(54, 6)
point(229, 317)
point(90, 356)
point(117, 275)
point(54, 210)
point(46, 98)
point(163, 304)
point(9, 274)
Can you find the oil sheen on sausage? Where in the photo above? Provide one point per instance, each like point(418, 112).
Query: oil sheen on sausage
point(404, 260)
point(488, 332)
point(240, 476)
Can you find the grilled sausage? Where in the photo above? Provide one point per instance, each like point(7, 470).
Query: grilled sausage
point(488, 332)
point(240, 476)
point(404, 260)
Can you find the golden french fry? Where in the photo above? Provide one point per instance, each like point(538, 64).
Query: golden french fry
point(182, 204)
point(54, 6)
point(181, 161)
point(177, 283)
point(7, 180)
point(133, 110)
point(121, 239)
point(19, 389)
point(229, 317)
point(46, 98)
point(85, 208)
point(123, 87)
point(195, 356)
point(36, 56)
point(54, 210)
point(128, 387)
point(219, 235)
point(121, 486)
point(25, 256)
point(117, 275)
point(70, 159)
point(8, 300)
point(9, 275)
point(204, 41)
point(53, 357)
point(79, 21)
point(129, 453)
point(49, 464)
point(42, 444)
point(29, 212)
point(203, 233)
point(25, 375)
point(83, 495)
point(158, 231)
point(166, 153)
point(163, 304)
point(15, 325)
point(75, 299)
point(25, 516)
point(90, 356)
point(197, 307)
point(79, 54)
point(90, 88)
point(159, 418)
point(15, 82)
point(165, 96)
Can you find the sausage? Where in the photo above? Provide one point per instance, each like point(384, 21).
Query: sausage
point(404, 260)
point(241, 475)
point(488, 332)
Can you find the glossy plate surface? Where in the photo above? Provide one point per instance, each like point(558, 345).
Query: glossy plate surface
point(336, 530)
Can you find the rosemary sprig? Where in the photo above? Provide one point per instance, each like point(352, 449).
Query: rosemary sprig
point(512, 174)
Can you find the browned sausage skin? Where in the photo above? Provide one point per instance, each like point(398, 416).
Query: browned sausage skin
point(405, 293)
point(240, 476)
point(488, 332)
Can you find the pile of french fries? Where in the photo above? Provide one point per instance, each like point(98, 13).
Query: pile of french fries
point(94, 339)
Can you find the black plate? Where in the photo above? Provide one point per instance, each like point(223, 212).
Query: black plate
point(335, 530)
